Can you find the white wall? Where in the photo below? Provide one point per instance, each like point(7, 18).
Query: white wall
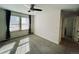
point(47, 24)
point(2, 25)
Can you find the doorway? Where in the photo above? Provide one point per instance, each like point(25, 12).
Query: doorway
point(68, 26)
point(69, 30)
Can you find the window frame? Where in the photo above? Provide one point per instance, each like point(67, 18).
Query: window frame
point(20, 24)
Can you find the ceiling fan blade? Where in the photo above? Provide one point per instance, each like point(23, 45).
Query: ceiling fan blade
point(33, 9)
point(29, 11)
point(36, 9)
point(32, 6)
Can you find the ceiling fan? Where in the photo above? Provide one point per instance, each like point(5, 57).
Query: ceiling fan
point(34, 9)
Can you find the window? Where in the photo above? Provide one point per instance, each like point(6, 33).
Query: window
point(14, 23)
point(24, 23)
point(18, 23)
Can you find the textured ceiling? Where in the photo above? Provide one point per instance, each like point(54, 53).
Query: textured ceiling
point(23, 8)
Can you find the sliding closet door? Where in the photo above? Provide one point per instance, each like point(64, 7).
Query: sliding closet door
point(2, 25)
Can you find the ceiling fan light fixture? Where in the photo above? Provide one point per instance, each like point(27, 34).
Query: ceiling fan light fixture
point(34, 9)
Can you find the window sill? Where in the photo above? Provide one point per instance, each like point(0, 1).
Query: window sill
point(18, 31)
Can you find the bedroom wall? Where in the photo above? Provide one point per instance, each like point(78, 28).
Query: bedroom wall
point(47, 24)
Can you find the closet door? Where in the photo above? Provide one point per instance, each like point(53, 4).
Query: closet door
point(69, 27)
point(77, 29)
point(2, 25)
